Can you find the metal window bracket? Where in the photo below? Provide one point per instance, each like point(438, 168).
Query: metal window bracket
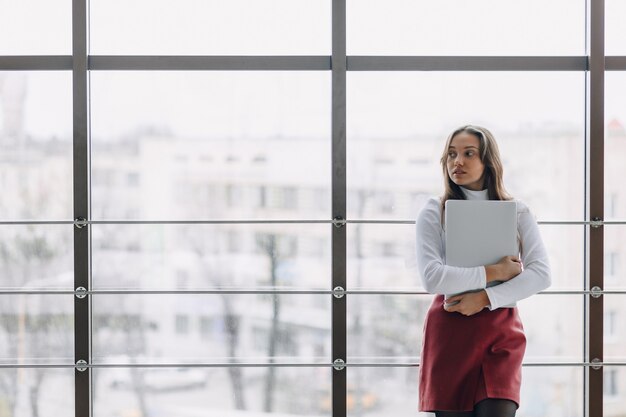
point(80, 222)
point(80, 368)
point(339, 222)
point(596, 222)
point(339, 292)
point(596, 292)
point(596, 364)
point(80, 292)
point(339, 364)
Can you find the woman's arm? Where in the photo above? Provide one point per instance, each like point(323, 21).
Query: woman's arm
point(536, 275)
point(437, 277)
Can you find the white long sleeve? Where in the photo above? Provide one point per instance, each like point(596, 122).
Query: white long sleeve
point(536, 275)
point(439, 278)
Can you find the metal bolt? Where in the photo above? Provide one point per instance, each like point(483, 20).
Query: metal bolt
point(598, 363)
point(596, 292)
point(339, 292)
point(81, 292)
point(339, 222)
point(596, 222)
point(80, 222)
point(81, 368)
point(339, 364)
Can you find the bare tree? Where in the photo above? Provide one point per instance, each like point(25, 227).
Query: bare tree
point(270, 248)
point(24, 258)
point(203, 246)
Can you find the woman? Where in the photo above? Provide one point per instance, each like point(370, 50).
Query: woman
point(474, 343)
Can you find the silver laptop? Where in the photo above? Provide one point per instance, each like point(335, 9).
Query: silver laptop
point(480, 233)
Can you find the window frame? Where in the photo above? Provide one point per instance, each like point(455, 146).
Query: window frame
point(594, 64)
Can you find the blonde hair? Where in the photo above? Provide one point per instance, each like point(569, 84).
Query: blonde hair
point(490, 157)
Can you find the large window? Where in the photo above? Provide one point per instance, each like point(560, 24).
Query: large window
point(209, 206)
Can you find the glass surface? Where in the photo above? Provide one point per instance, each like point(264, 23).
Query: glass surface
point(614, 146)
point(554, 328)
point(397, 125)
point(384, 257)
point(565, 245)
point(210, 328)
point(386, 328)
point(615, 257)
point(210, 27)
point(219, 145)
point(383, 328)
point(614, 390)
point(37, 257)
point(43, 392)
point(35, 145)
point(552, 391)
point(35, 27)
point(195, 256)
point(36, 329)
point(216, 392)
point(458, 27)
point(382, 392)
point(615, 35)
point(614, 329)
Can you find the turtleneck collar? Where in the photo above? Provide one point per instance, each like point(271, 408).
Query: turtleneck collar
point(475, 195)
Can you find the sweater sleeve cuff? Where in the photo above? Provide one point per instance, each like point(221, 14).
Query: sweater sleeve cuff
point(483, 277)
point(492, 306)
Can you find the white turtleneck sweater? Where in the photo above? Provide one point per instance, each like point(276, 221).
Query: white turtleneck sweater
point(439, 278)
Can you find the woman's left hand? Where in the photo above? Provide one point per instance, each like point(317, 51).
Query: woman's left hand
point(469, 303)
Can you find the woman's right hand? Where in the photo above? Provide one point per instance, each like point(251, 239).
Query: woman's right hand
point(506, 268)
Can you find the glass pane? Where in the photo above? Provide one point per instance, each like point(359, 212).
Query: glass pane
point(217, 145)
point(615, 146)
point(554, 328)
point(386, 328)
point(389, 327)
point(614, 329)
point(212, 256)
point(43, 392)
point(615, 35)
point(35, 27)
point(615, 257)
point(398, 124)
point(385, 391)
point(36, 145)
point(212, 391)
point(37, 256)
point(36, 329)
point(210, 27)
point(211, 328)
point(552, 391)
point(383, 256)
point(458, 27)
point(614, 390)
point(565, 245)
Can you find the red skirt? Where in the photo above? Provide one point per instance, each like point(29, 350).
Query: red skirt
point(467, 359)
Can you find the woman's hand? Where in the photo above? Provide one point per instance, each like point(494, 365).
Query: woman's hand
point(506, 268)
point(468, 304)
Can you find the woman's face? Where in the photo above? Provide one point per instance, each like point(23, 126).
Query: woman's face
point(464, 165)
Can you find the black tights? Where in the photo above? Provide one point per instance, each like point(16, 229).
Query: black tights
point(490, 407)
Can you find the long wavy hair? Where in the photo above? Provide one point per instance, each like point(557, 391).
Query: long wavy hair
point(490, 157)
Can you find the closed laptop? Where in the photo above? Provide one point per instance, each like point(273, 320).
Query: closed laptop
point(480, 232)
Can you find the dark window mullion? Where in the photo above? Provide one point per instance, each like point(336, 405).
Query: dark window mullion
point(595, 202)
point(82, 403)
point(338, 179)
